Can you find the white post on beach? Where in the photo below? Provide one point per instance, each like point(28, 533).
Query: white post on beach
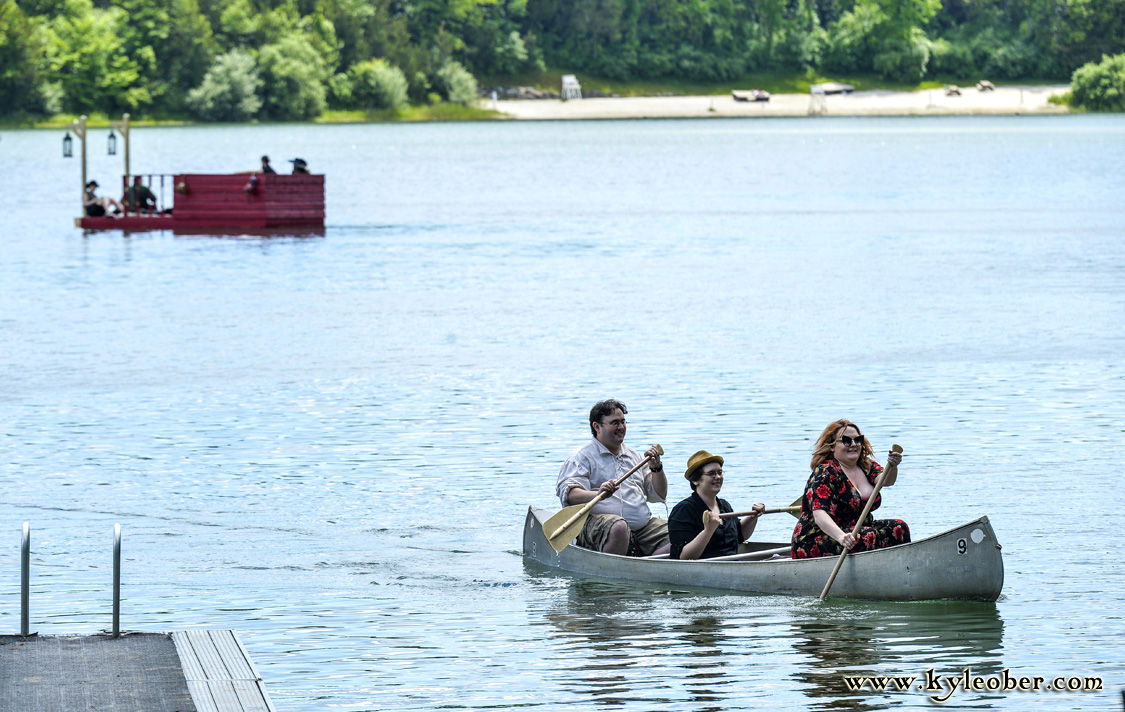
point(818, 100)
point(571, 89)
point(495, 106)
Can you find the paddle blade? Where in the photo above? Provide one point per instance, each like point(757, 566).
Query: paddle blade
point(559, 541)
point(897, 448)
point(795, 508)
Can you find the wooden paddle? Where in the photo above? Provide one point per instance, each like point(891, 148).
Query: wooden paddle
point(795, 508)
point(728, 515)
point(858, 525)
point(775, 510)
point(568, 522)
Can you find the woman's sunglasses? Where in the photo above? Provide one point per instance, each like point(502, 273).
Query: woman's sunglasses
point(848, 442)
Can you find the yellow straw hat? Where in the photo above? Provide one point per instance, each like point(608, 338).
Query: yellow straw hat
point(698, 460)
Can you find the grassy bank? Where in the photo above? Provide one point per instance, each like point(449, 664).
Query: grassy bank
point(97, 121)
point(434, 112)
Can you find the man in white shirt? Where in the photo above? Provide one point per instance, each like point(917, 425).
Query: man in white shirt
point(622, 523)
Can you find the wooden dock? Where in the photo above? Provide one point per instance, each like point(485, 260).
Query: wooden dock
point(192, 671)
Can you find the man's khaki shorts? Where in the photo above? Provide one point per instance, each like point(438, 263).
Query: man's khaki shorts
point(646, 539)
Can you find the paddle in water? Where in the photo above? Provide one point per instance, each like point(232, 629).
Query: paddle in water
point(568, 522)
point(858, 525)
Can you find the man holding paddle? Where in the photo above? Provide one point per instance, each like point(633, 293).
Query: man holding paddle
point(621, 522)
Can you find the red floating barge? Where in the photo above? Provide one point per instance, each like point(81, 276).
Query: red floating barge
point(201, 203)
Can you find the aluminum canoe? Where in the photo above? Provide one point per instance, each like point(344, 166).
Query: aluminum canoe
point(963, 563)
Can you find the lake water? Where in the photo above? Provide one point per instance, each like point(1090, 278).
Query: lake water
point(329, 443)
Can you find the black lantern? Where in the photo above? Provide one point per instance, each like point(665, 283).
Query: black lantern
point(111, 144)
point(67, 146)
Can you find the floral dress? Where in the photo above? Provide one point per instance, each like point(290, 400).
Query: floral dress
point(829, 489)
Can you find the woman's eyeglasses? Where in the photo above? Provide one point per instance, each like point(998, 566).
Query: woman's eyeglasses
point(848, 442)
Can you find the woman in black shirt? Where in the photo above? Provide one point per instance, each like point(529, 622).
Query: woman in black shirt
point(694, 536)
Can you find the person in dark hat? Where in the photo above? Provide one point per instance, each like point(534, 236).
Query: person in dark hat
point(695, 529)
point(299, 166)
point(99, 207)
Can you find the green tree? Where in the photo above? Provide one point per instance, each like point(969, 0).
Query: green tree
point(851, 43)
point(172, 44)
point(293, 76)
point(90, 63)
point(884, 35)
point(23, 75)
point(771, 14)
point(229, 91)
point(457, 85)
point(1100, 86)
point(375, 84)
point(1084, 30)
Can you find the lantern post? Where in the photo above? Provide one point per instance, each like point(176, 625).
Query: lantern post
point(123, 127)
point(79, 129)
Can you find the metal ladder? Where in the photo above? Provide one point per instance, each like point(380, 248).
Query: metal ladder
point(25, 581)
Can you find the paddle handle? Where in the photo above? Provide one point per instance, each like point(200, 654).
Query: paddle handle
point(600, 496)
point(858, 525)
point(775, 510)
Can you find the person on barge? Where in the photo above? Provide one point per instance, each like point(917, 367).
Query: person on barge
point(99, 207)
point(622, 522)
point(843, 479)
point(693, 538)
point(138, 197)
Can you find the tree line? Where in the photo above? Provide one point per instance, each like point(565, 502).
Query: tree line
point(234, 60)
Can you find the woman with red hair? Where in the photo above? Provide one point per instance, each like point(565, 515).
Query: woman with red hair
point(843, 478)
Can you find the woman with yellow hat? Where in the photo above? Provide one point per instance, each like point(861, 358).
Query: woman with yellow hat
point(695, 536)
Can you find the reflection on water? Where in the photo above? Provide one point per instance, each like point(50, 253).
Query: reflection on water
point(858, 638)
point(706, 674)
point(622, 643)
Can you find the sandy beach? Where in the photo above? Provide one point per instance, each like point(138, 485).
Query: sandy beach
point(932, 102)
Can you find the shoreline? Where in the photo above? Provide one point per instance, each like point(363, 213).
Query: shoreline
point(1009, 100)
point(1006, 100)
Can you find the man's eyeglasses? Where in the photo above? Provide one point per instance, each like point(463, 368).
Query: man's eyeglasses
point(713, 474)
point(848, 442)
point(615, 424)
